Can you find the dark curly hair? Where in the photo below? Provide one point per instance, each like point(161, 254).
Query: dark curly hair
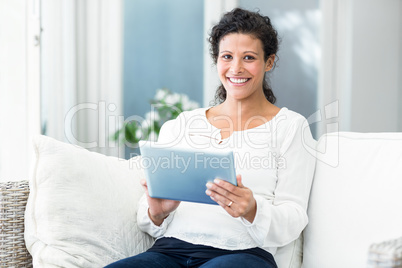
point(246, 22)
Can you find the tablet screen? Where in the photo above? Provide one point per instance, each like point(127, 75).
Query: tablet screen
point(181, 173)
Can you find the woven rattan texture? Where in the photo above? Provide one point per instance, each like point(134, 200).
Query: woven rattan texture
point(387, 254)
point(13, 199)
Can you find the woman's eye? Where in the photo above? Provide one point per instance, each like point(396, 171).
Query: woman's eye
point(249, 58)
point(226, 57)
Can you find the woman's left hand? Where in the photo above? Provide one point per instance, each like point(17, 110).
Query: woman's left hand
point(238, 200)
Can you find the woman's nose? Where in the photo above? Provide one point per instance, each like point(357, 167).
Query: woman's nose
point(236, 67)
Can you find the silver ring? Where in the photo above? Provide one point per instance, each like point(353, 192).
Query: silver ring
point(231, 202)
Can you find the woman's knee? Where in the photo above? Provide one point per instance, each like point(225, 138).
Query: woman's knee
point(239, 260)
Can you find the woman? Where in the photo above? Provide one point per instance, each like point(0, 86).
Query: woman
point(268, 207)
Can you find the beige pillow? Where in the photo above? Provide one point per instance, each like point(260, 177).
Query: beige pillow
point(81, 210)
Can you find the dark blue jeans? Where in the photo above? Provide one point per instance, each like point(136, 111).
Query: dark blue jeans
point(174, 253)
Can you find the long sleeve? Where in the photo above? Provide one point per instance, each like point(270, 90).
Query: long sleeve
point(145, 223)
point(166, 136)
point(281, 220)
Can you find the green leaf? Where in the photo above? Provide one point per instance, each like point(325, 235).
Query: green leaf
point(116, 135)
point(130, 130)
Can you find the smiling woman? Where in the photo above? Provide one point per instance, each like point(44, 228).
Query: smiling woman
point(267, 208)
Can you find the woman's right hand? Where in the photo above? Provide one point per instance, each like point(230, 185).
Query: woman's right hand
point(159, 209)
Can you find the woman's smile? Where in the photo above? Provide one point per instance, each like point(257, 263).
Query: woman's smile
point(238, 81)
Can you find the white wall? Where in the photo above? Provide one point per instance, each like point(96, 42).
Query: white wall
point(376, 53)
point(361, 64)
point(19, 86)
point(400, 69)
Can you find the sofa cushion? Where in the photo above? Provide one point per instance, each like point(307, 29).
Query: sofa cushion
point(290, 256)
point(356, 198)
point(81, 211)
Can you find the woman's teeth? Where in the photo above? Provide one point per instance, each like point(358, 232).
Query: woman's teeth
point(238, 81)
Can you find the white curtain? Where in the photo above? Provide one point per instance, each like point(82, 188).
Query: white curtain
point(82, 72)
point(19, 86)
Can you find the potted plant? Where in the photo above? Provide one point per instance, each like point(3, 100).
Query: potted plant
point(165, 106)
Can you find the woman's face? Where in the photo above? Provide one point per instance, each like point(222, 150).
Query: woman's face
point(241, 66)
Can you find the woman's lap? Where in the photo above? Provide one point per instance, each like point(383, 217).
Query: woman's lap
point(145, 260)
point(160, 260)
point(238, 260)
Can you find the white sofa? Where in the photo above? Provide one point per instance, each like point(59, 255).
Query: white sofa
point(82, 206)
point(356, 201)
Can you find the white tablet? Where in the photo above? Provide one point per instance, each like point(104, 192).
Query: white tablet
point(181, 173)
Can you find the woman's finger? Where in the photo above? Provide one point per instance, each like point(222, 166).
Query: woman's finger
point(143, 183)
point(219, 193)
point(227, 186)
point(236, 200)
point(239, 181)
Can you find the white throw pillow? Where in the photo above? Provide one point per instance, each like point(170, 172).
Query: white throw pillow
point(82, 206)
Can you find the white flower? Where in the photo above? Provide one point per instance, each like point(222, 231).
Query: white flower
point(185, 102)
point(152, 116)
point(160, 94)
point(145, 124)
point(189, 105)
point(138, 134)
point(173, 98)
point(184, 98)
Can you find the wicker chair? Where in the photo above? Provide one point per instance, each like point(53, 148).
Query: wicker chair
point(13, 198)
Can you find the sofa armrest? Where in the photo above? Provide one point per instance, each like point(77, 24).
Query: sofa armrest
point(13, 199)
point(386, 254)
